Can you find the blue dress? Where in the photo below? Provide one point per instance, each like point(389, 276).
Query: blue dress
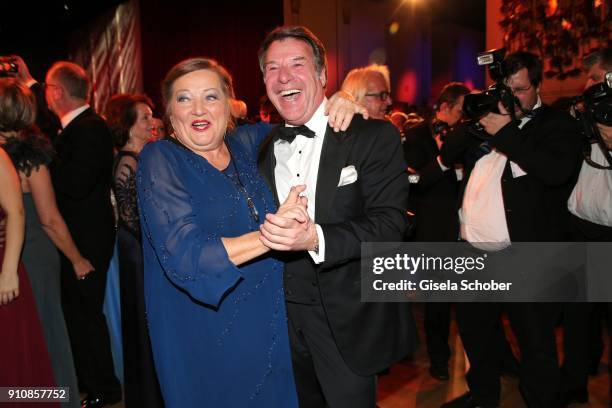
point(218, 332)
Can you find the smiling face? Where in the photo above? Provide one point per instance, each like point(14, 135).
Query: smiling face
point(199, 110)
point(292, 82)
point(142, 129)
point(376, 88)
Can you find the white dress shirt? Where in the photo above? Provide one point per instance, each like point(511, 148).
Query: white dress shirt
point(298, 163)
point(591, 199)
point(482, 213)
point(69, 117)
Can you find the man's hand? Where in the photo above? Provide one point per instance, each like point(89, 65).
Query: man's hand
point(341, 108)
point(493, 122)
point(290, 229)
point(606, 134)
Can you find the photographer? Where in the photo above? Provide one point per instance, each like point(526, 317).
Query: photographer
point(434, 201)
point(590, 205)
point(591, 200)
point(518, 180)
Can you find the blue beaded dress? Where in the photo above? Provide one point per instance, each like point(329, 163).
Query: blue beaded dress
point(218, 332)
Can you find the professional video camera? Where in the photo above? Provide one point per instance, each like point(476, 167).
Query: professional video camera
point(477, 105)
point(8, 67)
point(592, 107)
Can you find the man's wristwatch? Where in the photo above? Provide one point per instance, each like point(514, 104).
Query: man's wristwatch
point(315, 249)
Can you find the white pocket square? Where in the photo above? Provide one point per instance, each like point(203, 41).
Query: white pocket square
point(348, 176)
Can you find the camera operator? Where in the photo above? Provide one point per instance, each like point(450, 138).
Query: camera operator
point(517, 184)
point(46, 120)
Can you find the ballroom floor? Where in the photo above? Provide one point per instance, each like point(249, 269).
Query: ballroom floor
point(408, 384)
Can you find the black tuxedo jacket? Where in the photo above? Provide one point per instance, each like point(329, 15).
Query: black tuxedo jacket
point(547, 148)
point(81, 174)
point(434, 199)
point(370, 336)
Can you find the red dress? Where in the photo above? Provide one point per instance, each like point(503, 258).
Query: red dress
point(24, 359)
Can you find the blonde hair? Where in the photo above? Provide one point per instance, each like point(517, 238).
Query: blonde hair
point(356, 82)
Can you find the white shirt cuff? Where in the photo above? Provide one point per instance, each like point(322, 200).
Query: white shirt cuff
point(319, 257)
point(442, 166)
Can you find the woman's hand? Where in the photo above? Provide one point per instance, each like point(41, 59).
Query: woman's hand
point(290, 229)
point(341, 108)
point(82, 267)
point(295, 206)
point(9, 287)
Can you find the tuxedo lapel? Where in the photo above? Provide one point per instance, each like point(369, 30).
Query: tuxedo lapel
point(334, 153)
point(266, 162)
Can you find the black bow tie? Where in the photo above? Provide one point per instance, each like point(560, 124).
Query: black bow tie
point(289, 133)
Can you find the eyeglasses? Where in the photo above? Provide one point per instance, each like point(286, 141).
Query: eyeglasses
point(382, 95)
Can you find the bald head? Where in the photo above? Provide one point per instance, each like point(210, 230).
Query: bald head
point(71, 77)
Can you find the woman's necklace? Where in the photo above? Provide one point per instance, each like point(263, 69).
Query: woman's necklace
point(242, 189)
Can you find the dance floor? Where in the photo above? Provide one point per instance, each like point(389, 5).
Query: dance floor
point(409, 385)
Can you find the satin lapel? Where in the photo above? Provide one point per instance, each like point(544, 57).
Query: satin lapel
point(266, 162)
point(334, 153)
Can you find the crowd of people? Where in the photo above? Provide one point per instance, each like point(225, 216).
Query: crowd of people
point(239, 243)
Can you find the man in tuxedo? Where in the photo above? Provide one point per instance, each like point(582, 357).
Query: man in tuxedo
point(433, 200)
point(516, 192)
point(357, 192)
point(81, 174)
point(590, 205)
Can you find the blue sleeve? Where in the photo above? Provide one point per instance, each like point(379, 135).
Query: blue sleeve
point(251, 136)
point(193, 258)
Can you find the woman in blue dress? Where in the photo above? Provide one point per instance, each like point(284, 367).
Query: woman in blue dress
point(214, 296)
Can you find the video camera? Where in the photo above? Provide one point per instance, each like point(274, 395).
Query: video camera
point(8, 67)
point(477, 105)
point(592, 107)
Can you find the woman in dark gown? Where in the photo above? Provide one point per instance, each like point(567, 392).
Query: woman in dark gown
point(24, 359)
point(130, 120)
point(45, 228)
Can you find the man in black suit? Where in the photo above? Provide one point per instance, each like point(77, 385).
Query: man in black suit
point(433, 200)
point(357, 192)
point(590, 205)
point(517, 192)
point(81, 174)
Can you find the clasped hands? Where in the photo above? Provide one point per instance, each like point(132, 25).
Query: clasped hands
point(290, 229)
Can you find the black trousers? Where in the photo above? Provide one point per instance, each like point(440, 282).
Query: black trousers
point(533, 325)
point(322, 377)
point(582, 321)
point(437, 326)
point(82, 303)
